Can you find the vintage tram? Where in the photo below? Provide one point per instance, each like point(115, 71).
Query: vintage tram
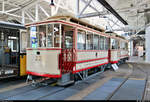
point(12, 50)
point(118, 50)
point(63, 47)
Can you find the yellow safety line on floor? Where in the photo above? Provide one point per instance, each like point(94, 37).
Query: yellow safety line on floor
point(54, 84)
point(89, 89)
point(136, 78)
point(130, 66)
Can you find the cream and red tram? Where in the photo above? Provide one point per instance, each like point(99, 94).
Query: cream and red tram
point(118, 52)
point(64, 44)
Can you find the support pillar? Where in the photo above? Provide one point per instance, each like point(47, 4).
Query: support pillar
point(147, 44)
point(131, 48)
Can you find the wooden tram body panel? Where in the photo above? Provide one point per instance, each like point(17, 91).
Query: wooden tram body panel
point(54, 62)
point(46, 63)
point(123, 54)
point(114, 56)
point(90, 59)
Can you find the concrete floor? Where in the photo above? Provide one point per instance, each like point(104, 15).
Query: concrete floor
point(79, 91)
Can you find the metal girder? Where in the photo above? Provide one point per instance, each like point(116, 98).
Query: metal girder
point(87, 4)
point(27, 6)
point(109, 8)
point(28, 14)
point(90, 6)
point(113, 22)
point(44, 11)
point(92, 14)
point(11, 10)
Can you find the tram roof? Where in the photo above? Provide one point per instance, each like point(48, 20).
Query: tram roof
point(11, 25)
point(73, 19)
point(115, 35)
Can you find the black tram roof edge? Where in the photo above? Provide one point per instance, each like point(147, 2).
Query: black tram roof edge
point(4, 24)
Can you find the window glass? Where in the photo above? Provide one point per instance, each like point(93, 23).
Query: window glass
point(23, 41)
point(122, 45)
point(89, 41)
point(42, 36)
point(50, 35)
point(113, 43)
point(126, 46)
point(81, 40)
point(117, 44)
point(68, 39)
point(33, 37)
point(95, 42)
point(101, 43)
point(56, 35)
point(106, 43)
point(13, 43)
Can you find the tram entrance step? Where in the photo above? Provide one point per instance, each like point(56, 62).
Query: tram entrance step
point(104, 91)
point(130, 90)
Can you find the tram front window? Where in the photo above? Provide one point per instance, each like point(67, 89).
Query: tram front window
point(42, 36)
point(50, 35)
point(45, 36)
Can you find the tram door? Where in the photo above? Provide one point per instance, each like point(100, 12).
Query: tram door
point(68, 54)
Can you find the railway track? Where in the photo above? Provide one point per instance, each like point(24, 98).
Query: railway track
point(133, 72)
point(50, 88)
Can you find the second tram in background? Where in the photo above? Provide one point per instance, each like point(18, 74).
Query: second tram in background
point(13, 43)
point(67, 48)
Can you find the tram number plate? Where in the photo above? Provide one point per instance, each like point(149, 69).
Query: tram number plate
point(9, 72)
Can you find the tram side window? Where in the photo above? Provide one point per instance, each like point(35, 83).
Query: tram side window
point(95, 42)
point(28, 37)
point(106, 43)
point(33, 36)
point(50, 35)
point(23, 41)
point(113, 43)
point(101, 43)
point(122, 45)
point(126, 46)
point(81, 40)
point(12, 43)
point(56, 35)
point(42, 36)
point(117, 44)
point(89, 41)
